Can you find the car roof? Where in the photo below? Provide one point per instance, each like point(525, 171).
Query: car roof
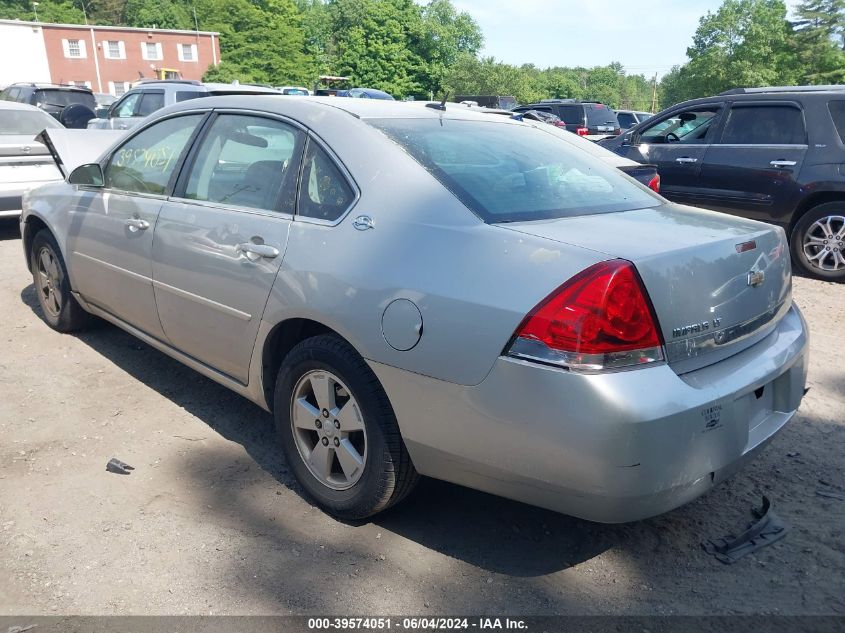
point(359, 108)
point(48, 86)
point(774, 95)
point(17, 105)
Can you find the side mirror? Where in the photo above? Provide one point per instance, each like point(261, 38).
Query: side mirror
point(102, 112)
point(90, 175)
point(631, 138)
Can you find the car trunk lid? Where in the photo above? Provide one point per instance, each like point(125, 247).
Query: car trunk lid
point(72, 148)
point(718, 284)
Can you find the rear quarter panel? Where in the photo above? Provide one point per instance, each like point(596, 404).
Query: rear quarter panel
point(473, 283)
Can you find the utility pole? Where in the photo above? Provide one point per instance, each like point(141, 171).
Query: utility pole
point(35, 9)
point(654, 94)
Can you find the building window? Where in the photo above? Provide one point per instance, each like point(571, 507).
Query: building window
point(151, 51)
point(187, 52)
point(81, 84)
point(118, 88)
point(74, 49)
point(114, 49)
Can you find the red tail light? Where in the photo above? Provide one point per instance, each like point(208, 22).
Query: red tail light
point(654, 183)
point(582, 131)
point(599, 319)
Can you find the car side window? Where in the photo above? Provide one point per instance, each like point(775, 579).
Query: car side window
point(247, 161)
point(764, 125)
point(837, 112)
point(150, 102)
point(145, 163)
point(324, 193)
point(126, 108)
point(626, 119)
point(571, 114)
point(688, 127)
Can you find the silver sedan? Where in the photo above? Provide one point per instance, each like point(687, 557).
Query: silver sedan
point(24, 162)
point(432, 291)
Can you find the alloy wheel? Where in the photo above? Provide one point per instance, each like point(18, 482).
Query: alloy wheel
point(49, 281)
point(824, 243)
point(328, 429)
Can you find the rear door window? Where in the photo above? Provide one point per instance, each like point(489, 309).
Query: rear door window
point(150, 102)
point(247, 161)
point(764, 125)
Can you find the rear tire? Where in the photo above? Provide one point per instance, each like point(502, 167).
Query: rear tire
point(820, 228)
point(59, 307)
point(338, 430)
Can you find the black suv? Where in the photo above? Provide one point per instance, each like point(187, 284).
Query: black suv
point(72, 106)
point(590, 119)
point(772, 154)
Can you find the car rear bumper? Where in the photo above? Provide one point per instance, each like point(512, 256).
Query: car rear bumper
point(612, 447)
point(11, 193)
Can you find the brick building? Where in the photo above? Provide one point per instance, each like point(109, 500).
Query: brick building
point(104, 58)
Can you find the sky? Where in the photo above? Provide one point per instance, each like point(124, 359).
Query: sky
point(646, 36)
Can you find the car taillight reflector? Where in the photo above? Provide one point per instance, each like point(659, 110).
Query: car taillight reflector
point(600, 319)
point(582, 131)
point(654, 183)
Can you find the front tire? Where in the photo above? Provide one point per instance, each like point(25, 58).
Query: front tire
point(52, 285)
point(338, 430)
point(818, 242)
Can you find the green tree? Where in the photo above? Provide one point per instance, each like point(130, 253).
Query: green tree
point(444, 35)
point(261, 44)
point(370, 43)
point(819, 30)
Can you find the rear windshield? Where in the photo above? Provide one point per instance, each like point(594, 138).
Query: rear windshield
point(63, 98)
point(24, 122)
point(598, 114)
point(508, 172)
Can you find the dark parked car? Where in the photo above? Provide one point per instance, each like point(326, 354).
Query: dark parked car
point(590, 119)
point(772, 154)
point(72, 106)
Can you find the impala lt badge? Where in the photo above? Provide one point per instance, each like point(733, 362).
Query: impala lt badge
point(756, 278)
point(696, 328)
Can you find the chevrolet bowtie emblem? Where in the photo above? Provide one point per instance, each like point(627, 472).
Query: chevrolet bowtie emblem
point(756, 278)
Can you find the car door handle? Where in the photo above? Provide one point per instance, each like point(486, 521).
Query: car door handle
point(255, 251)
point(137, 224)
point(686, 159)
point(783, 163)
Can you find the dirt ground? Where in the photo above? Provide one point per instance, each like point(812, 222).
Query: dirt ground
point(211, 520)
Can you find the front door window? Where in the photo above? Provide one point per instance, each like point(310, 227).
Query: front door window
point(688, 127)
point(146, 162)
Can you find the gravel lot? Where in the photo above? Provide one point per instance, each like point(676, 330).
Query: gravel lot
point(212, 522)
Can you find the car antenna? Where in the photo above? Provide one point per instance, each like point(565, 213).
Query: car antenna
point(439, 106)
